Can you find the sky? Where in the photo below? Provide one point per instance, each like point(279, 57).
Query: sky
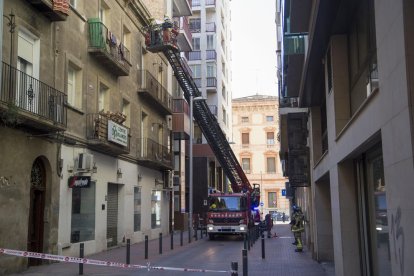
point(253, 47)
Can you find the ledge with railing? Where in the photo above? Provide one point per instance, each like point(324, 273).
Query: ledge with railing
point(196, 3)
point(211, 27)
point(212, 82)
point(210, 3)
point(35, 102)
point(153, 154)
point(152, 89)
point(194, 55)
point(106, 133)
point(105, 45)
point(211, 54)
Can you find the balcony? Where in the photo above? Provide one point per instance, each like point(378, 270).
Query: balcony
point(184, 36)
point(211, 82)
point(153, 155)
point(106, 134)
point(104, 45)
point(211, 27)
point(154, 93)
point(55, 10)
point(194, 55)
point(28, 102)
point(181, 120)
point(211, 55)
point(181, 8)
point(197, 82)
point(210, 4)
point(294, 49)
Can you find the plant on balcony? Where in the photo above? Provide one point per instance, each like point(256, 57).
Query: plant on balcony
point(10, 116)
point(117, 117)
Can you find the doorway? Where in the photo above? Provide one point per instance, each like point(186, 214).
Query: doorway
point(112, 216)
point(37, 207)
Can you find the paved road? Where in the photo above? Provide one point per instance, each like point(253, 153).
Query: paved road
point(280, 258)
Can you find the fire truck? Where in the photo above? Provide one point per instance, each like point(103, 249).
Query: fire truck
point(239, 211)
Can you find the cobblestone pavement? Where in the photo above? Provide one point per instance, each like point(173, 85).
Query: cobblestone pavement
point(280, 258)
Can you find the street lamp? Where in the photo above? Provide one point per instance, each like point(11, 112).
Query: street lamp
point(190, 183)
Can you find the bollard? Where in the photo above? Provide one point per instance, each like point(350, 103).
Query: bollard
point(128, 253)
point(244, 254)
point(181, 238)
point(196, 234)
point(234, 269)
point(201, 234)
point(81, 255)
point(160, 249)
point(146, 247)
point(263, 246)
point(245, 240)
point(172, 240)
point(189, 235)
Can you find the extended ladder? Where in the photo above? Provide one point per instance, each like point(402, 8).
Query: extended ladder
point(206, 121)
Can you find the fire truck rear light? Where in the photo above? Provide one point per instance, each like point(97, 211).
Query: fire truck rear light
point(210, 228)
point(242, 228)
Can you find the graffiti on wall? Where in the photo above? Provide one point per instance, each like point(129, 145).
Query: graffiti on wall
point(397, 233)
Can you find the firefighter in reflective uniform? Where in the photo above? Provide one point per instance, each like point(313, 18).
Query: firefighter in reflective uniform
point(297, 223)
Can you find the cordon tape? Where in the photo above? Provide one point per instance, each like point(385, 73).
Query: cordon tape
point(67, 259)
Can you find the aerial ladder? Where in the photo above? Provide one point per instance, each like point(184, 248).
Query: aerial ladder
point(162, 38)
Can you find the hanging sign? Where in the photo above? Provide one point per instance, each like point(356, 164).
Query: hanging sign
point(79, 182)
point(117, 134)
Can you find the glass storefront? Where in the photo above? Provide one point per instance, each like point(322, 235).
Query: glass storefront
point(83, 214)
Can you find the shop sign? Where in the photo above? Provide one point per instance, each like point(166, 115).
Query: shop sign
point(117, 134)
point(79, 182)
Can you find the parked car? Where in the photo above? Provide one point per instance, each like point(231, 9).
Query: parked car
point(278, 216)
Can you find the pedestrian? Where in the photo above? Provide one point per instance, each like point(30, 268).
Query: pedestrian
point(283, 217)
point(297, 227)
point(269, 225)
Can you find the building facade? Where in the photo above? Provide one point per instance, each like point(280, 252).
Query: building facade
point(209, 61)
point(255, 132)
point(346, 100)
point(86, 117)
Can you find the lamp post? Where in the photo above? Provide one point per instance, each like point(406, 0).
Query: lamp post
point(190, 153)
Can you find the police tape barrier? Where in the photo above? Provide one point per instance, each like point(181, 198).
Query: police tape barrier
point(67, 259)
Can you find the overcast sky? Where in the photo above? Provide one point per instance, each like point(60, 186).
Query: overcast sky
point(254, 47)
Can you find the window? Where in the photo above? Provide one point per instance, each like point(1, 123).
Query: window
point(126, 110)
point(103, 102)
point(245, 139)
point(270, 138)
point(211, 70)
point(195, 24)
point(269, 118)
point(210, 42)
point(271, 164)
point(245, 119)
point(224, 116)
point(246, 165)
point(155, 209)
point(196, 43)
point(196, 69)
point(271, 197)
point(83, 214)
point(362, 54)
point(74, 86)
point(104, 14)
point(137, 209)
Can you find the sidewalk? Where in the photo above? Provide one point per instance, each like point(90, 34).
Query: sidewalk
point(280, 258)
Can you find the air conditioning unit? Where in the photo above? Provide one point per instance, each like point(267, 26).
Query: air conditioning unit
point(85, 161)
point(168, 118)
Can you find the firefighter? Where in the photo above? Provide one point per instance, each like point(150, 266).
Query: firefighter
point(166, 30)
point(297, 228)
point(269, 225)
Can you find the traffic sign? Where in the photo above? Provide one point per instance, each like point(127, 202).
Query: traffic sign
point(261, 203)
point(283, 192)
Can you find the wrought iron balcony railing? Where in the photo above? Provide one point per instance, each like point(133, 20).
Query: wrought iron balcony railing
point(153, 154)
point(152, 90)
point(106, 47)
point(194, 55)
point(211, 54)
point(212, 82)
point(106, 134)
point(35, 102)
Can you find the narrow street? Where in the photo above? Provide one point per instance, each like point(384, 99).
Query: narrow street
point(280, 258)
